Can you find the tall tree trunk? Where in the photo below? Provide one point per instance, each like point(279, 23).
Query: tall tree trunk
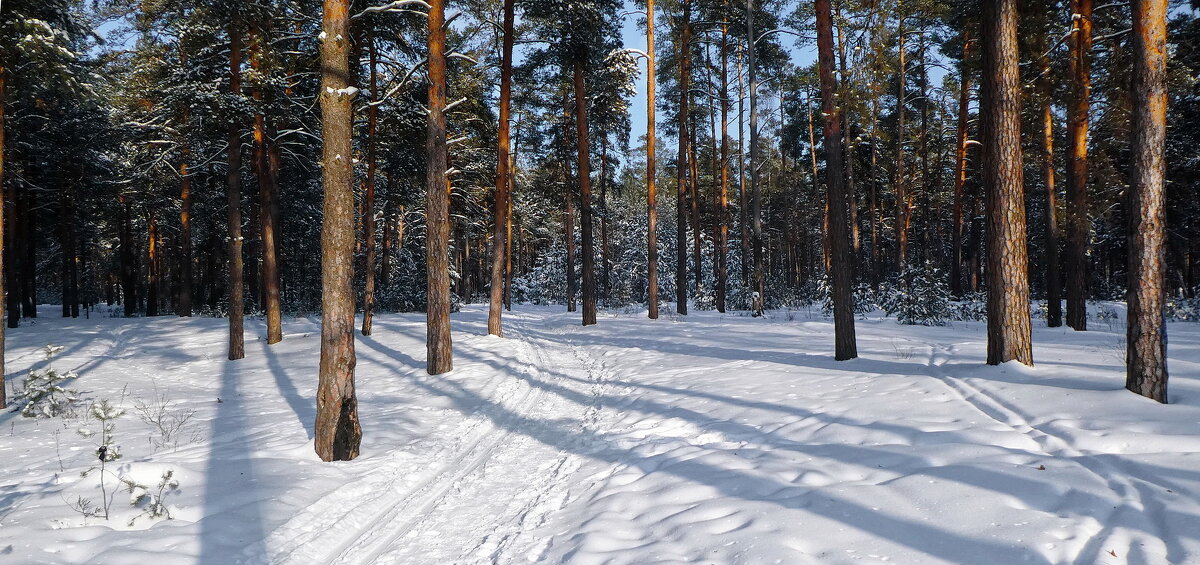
point(694, 203)
point(743, 201)
point(268, 198)
point(605, 259)
point(389, 232)
point(723, 201)
point(755, 196)
point(500, 234)
point(337, 430)
point(1007, 256)
point(960, 167)
point(681, 164)
point(1079, 70)
point(903, 211)
point(1053, 288)
point(651, 171)
point(233, 194)
point(369, 200)
point(3, 233)
point(1146, 334)
point(842, 275)
point(437, 201)
point(585, 198)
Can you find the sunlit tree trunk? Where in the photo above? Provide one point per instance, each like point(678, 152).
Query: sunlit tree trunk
point(1007, 256)
point(337, 431)
point(1079, 71)
point(960, 166)
point(1053, 285)
point(268, 196)
point(1146, 334)
point(500, 232)
point(437, 201)
point(842, 273)
point(651, 171)
point(3, 233)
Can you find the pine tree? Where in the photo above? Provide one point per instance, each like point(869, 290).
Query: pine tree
point(337, 430)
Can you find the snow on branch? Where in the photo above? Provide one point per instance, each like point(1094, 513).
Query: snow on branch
point(394, 7)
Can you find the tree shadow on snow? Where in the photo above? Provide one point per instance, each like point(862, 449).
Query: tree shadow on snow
point(566, 435)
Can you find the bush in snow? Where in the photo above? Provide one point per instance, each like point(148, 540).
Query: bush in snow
point(107, 451)
point(1183, 309)
point(152, 503)
point(43, 392)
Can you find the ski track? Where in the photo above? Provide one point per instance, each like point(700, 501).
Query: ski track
point(373, 520)
point(1136, 505)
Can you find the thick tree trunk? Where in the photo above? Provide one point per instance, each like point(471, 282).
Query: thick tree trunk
point(1146, 334)
point(960, 167)
point(842, 275)
point(500, 235)
point(437, 201)
point(185, 242)
point(651, 171)
point(233, 195)
point(337, 430)
point(1008, 261)
point(585, 198)
point(369, 199)
point(681, 162)
point(1079, 70)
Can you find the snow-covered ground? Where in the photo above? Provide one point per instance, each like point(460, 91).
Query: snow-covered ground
point(705, 439)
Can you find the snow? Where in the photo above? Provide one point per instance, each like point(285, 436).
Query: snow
point(701, 439)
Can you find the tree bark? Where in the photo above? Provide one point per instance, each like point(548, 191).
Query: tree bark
point(723, 200)
point(268, 199)
point(842, 275)
point(903, 209)
point(1007, 256)
point(1053, 285)
point(651, 171)
point(233, 194)
point(960, 167)
point(337, 430)
point(1079, 70)
point(500, 233)
point(437, 201)
point(3, 233)
point(1146, 333)
point(681, 164)
point(755, 195)
point(369, 199)
point(585, 198)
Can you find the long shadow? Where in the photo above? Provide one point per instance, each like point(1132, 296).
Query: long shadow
point(303, 407)
point(230, 529)
point(739, 484)
point(559, 433)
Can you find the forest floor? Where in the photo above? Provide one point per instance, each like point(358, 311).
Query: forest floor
point(706, 439)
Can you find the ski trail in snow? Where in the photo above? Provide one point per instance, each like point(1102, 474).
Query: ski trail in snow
point(1136, 507)
point(492, 488)
point(367, 514)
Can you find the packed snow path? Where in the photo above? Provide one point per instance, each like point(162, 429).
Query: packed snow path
point(705, 439)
